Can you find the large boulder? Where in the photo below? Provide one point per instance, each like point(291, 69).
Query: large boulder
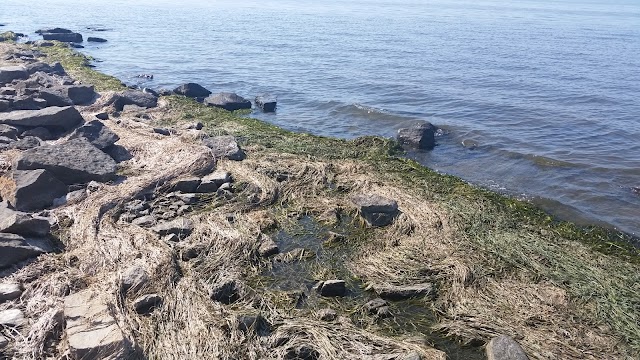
point(378, 211)
point(419, 136)
point(63, 37)
point(53, 118)
point(225, 147)
point(91, 329)
point(134, 97)
point(10, 73)
point(55, 30)
point(73, 162)
point(17, 222)
point(28, 103)
point(97, 134)
point(505, 348)
point(79, 94)
point(55, 97)
point(192, 90)
point(15, 248)
point(228, 101)
point(35, 190)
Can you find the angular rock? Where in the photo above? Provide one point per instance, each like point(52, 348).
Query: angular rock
point(9, 91)
point(118, 153)
point(63, 37)
point(26, 143)
point(332, 288)
point(96, 39)
point(28, 103)
point(505, 348)
point(39, 132)
point(192, 90)
point(53, 118)
point(55, 97)
point(10, 291)
point(97, 134)
point(15, 248)
point(268, 247)
point(228, 101)
point(102, 116)
point(225, 147)
point(227, 292)
point(35, 190)
point(418, 136)
point(397, 292)
point(16, 222)
point(147, 303)
point(11, 73)
point(187, 185)
point(218, 178)
point(134, 278)
point(73, 162)
point(135, 97)
point(326, 315)
point(91, 329)
point(12, 318)
point(8, 131)
point(55, 69)
point(55, 30)
point(79, 94)
point(180, 226)
point(267, 103)
point(376, 210)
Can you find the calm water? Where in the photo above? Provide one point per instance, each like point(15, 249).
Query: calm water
point(544, 94)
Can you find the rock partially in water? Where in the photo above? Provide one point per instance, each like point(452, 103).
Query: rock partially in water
point(55, 30)
point(378, 211)
point(192, 90)
point(267, 103)
point(96, 39)
point(418, 136)
point(505, 348)
point(63, 37)
point(35, 190)
point(228, 101)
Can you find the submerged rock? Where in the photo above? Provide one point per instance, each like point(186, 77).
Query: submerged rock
point(419, 136)
point(505, 348)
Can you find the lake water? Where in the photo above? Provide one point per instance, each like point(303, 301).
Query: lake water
point(538, 98)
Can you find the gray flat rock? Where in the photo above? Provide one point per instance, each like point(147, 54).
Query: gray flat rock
point(53, 118)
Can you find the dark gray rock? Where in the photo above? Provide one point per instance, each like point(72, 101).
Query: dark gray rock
point(63, 37)
point(226, 292)
point(192, 90)
point(147, 303)
point(376, 210)
point(79, 94)
point(228, 101)
point(267, 103)
point(332, 288)
point(187, 185)
point(73, 162)
point(418, 136)
point(102, 116)
point(56, 30)
point(96, 39)
point(151, 91)
point(135, 97)
point(5, 105)
point(225, 147)
point(15, 248)
point(505, 348)
point(118, 153)
point(55, 97)
point(28, 103)
point(10, 291)
point(55, 69)
point(26, 143)
point(302, 352)
point(403, 292)
point(78, 46)
point(9, 91)
point(162, 131)
point(9, 131)
point(180, 226)
point(39, 132)
point(97, 134)
point(52, 118)
point(17, 222)
point(42, 43)
point(11, 73)
point(35, 190)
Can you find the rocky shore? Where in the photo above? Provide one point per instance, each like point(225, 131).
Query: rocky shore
point(148, 224)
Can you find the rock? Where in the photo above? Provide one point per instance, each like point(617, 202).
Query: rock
point(118, 153)
point(96, 39)
point(376, 210)
point(8, 91)
point(419, 136)
point(97, 134)
point(294, 255)
point(10, 291)
point(151, 91)
point(332, 288)
point(180, 226)
point(53, 118)
point(147, 303)
point(302, 352)
point(73, 162)
point(55, 30)
point(21, 223)
point(372, 306)
point(6, 141)
point(9, 131)
point(187, 185)
point(327, 315)
point(267, 103)
point(225, 147)
point(190, 253)
point(12, 318)
point(39, 132)
point(162, 131)
point(228, 101)
point(28, 103)
point(192, 90)
point(227, 292)
point(188, 199)
point(134, 278)
point(4, 105)
point(102, 116)
point(268, 247)
point(79, 94)
point(42, 43)
point(137, 98)
point(145, 221)
point(91, 330)
point(218, 177)
point(35, 190)
point(194, 126)
point(505, 348)
point(78, 46)
point(26, 143)
point(3, 342)
point(15, 248)
point(55, 69)
point(254, 323)
point(171, 238)
point(63, 37)
point(54, 97)
point(395, 292)
point(11, 73)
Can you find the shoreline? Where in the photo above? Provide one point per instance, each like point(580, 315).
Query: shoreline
point(487, 253)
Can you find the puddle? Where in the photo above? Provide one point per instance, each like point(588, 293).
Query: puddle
point(294, 280)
